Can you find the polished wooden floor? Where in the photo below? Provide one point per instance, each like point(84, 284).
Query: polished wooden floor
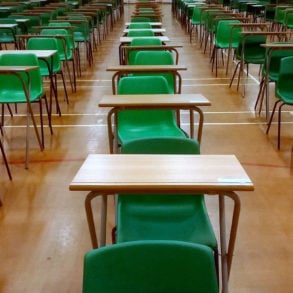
point(43, 229)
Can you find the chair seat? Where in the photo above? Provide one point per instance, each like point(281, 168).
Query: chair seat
point(153, 124)
point(7, 96)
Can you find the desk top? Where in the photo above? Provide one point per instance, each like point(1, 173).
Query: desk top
point(154, 100)
point(8, 25)
point(153, 47)
point(22, 20)
point(129, 39)
point(10, 69)
point(161, 173)
point(282, 45)
point(38, 53)
point(146, 68)
point(151, 23)
point(154, 30)
point(265, 33)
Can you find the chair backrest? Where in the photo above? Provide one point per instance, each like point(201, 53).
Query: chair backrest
point(141, 25)
point(157, 58)
point(195, 19)
point(253, 51)
point(161, 145)
point(133, 85)
point(150, 266)
point(140, 118)
point(10, 84)
point(289, 19)
point(60, 23)
point(140, 19)
point(140, 33)
point(46, 44)
point(143, 41)
point(275, 62)
point(226, 34)
point(284, 85)
point(143, 85)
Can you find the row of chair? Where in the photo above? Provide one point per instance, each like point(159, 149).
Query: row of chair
point(60, 36)
point(246, 42)
point(154, 233)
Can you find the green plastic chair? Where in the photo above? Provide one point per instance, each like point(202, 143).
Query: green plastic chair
point(65, 51)
point(141, 25)
point(34, 21)
point(82, 35)
point(225, 37)
point(273, 73)
point(70, 43)
point(55, 64)
point(254, 53)
point(280, 12)
point(209, 27)
point(288, 21)
point(140, 33)
point(24, 27)
point(204, 11)
point(134, 124)
point(150, 266)
point(158, 58)
point(164, 217)
point(147, 41)
point(283, 91)
point(12, 90)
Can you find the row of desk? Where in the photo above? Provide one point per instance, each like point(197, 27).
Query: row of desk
point(106, 174)
point(44, 55)
point(253, 30)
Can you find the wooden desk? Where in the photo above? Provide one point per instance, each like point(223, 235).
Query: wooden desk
point(17, 70)
point(121, 70)
point(190, 102)
point(11, 27)
point(221, 175)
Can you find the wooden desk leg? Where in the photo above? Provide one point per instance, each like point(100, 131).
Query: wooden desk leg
point(200, 123)
point(115, 75)
point(110, 130)
point(223, 244)
point(103, 220)
point(90, 218)
point(227, 255)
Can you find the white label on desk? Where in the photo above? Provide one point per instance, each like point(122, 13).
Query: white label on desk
point(234, 180)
